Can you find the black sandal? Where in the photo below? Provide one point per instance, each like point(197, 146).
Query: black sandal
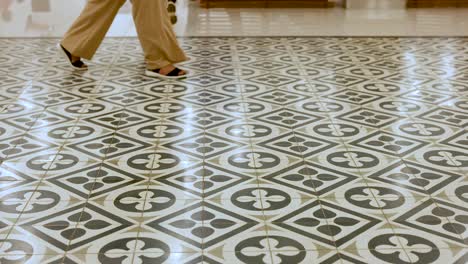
point(77, 65)
point(174, 74)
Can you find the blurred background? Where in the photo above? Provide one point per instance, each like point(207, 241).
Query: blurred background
point(50, 18)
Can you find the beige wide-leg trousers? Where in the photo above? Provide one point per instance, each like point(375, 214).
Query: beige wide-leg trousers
point(152, 23)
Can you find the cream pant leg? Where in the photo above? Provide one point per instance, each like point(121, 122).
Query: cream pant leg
point(152, 22)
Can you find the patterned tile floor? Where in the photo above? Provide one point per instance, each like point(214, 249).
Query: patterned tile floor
point(276, 150)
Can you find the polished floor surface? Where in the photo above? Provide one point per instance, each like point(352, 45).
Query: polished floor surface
point(274, 150)
point(51, 18)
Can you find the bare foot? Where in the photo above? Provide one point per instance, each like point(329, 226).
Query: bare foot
point(167, 69)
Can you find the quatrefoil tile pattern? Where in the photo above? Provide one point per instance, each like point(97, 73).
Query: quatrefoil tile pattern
point(275, 150)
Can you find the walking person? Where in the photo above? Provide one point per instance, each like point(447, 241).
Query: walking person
point(154, 29)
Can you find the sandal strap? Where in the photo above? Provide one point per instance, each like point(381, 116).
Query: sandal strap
point(78, 64)
point(174, 72)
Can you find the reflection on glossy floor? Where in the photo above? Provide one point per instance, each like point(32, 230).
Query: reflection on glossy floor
point(362, 17)
point(276, 150)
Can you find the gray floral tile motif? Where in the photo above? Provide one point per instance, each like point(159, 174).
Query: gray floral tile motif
point(446, 116)
point(95, 180)
point(353, 159)
point(204, 118)
point(109, 146)
point(415, 177)
point(274, 80)
point(203, 180)
point(205, 65)
point(288, 118)
point(204, 98)
point(422, 129)
point(341, 79)
point(369, 117)
point(327, 223)
point(310, 178)
point(207, 223)
point(204, 80)
point(54, 98)
point(22, 145)
point(313, 87)
point(427, 97)
point(446, 158)
point(37, 120)
point(268, 65)
point(74, 226)
point(204, 145)
point(328, 65)
point(67, 81)
point(389, 143)
point(120, 119)
point(459, 140)
point(298, 144)
point(11, 178)
point(134, 81)
point(354, 97)
point(407, 80)
point(431, 216)
point(129, 98)
point(385, 248)
point(445, 87)
point(279, 97)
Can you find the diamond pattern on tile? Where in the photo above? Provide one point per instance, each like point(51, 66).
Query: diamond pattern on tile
point(205, 80)
point(204, 180)
point(327, 223)
point(10, 178)
point(369, 117)
point(134, 81)
point(207, 223)
point(268, 65)
point(298, 144)
point(273, 80)
point(204, 119)
point(121, 119)
point(446, 116)
point(407, 79)
point(388, 143)
point(96, 180)
point(109, 146)
point(415, 177)
point(354, 97)
point(76, 226)
point(204, 98)
point(310, 178)
point(54, 98)
point(129, 98)
point(341, 79)
point(279, 97)
point(67, 81)
point(21, 146)
point(288, 118)
point(427, 97)
point(328, 65)
point(37, 120)
point(431, 217)
point(204, 145)
point(459, 140)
